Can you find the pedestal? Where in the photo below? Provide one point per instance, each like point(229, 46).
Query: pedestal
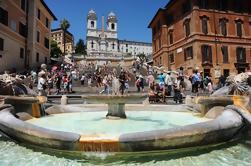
point(116, 111)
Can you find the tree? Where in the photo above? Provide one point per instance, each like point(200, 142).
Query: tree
point(80, 47)
point(142, 57)
point(55, 50)
point(64, 24)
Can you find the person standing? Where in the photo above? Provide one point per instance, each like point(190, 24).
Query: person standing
point(82, 79)
point(41, 86)
point(150, 79)
point(58, 83)
point(122, 80)
point(169, 83)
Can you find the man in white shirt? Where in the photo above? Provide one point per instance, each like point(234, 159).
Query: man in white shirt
point(169, 83)
point(41, 86)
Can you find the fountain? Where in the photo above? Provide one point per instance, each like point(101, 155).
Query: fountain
point(116, 103)
point(138, 128)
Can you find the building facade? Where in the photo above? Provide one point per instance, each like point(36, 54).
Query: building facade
point(25, 27)
point(104, 42)
point(213, 36)
point(58, 36)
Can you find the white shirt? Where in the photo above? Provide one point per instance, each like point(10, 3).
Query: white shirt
point(41, 82)
point(168, 80)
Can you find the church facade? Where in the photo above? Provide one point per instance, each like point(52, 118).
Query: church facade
point(104, 43)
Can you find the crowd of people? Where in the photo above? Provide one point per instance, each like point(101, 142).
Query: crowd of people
point(106, 79)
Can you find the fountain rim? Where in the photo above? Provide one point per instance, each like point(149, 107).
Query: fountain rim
point(139, 141)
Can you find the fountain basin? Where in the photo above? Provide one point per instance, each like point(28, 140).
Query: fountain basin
point(221, 129)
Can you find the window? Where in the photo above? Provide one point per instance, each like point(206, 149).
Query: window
point(204, 25)
point(224, 51)
point(47, 22)
point(1, 44)
point(22, 29)
point(37, 57)
point(187, 27)
point(171, 58)
point(188, 53)
point(21, 53)
point(239, 28)
point(170, 34)
point(203, 4)
point(38, 14)
point(23, 5)
point(46, 42)
point(92, 44)
point(113, 26)
point(92, 24)
point(223, 26)
point(4, 17)
point(113, 46)
point(241, 55)
point(38, 36)
point(206, 52)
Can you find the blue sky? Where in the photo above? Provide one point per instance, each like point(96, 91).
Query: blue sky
point(133, 15)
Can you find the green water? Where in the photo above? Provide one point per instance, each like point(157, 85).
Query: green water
point(230, 154)
point(233, 154)
point(95, 123)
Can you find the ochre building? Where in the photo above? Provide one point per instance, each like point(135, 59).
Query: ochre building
point(58, 36)
point(25, 27)
point(213, 36)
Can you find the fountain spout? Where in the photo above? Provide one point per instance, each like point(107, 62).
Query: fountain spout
point(116, 103)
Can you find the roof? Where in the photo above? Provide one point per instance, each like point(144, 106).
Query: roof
point(138, 42)
point(60, 29)
point(48, 9)
point(158, 12)
point(168, 5)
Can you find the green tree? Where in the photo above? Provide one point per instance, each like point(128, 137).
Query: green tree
point(80, 47)
point(142, 57)
point(65, 25)
point(55, 50)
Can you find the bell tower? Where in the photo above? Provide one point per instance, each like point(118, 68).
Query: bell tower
point(112, 22)
point(92, 20)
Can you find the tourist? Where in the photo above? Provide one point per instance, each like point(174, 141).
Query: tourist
point(195, 81)
point(115, 85)
point(69, 87)
point(50, 84)
point(169, 83)
point(122, 80)
point(41, 86)
point(181, 76)
point(210, 87)
point(150, 79)
point(58, 80)
point(82, 79)
point(65, 83)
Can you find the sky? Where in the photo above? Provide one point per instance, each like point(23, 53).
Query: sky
point(133, 16)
